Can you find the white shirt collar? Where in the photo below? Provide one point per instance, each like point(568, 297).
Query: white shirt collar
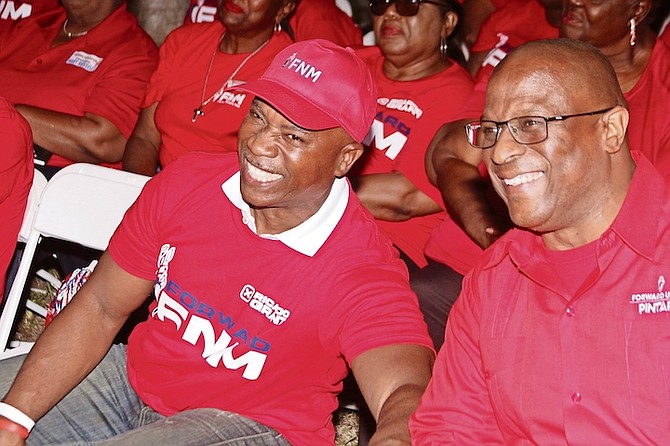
point(308, 237)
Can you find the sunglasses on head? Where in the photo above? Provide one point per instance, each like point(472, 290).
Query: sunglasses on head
point(404, 7)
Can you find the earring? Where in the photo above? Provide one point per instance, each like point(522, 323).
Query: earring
point(444, 47)
point(632, 32)
point(277, 27)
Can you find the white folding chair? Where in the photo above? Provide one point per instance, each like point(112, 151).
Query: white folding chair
point(82, 203)
point(39, 183)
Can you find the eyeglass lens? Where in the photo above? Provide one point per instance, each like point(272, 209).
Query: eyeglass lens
point(524, 130)
point(404, 7)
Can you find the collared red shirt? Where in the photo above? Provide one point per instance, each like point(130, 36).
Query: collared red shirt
point(531, 359)
point(104, 72)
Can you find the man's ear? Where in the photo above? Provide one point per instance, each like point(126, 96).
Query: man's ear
point(348, 156)
point(616, 123)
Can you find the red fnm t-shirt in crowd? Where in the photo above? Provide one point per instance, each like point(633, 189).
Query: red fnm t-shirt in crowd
point(262, 326)
point(408, 115)
point(178, 85)
point(14, 10)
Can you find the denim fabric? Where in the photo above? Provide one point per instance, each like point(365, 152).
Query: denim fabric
point(105, 410)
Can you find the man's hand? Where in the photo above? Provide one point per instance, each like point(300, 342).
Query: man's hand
point(454, 167)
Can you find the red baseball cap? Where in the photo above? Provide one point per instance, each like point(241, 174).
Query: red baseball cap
point(317, 85)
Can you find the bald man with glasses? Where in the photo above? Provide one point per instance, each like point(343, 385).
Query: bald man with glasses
point(561, 332)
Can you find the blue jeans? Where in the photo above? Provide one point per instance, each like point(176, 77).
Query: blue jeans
point(105, 410)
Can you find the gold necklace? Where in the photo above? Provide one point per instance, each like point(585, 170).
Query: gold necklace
point(199, 111)
point(71, 35)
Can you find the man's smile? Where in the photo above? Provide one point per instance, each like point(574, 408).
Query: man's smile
point(522, 178)
point(260, 175)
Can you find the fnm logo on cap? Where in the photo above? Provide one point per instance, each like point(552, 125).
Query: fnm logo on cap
point(301, 67)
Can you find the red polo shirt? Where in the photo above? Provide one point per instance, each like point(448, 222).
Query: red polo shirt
point(561, 347)
point(104, 72)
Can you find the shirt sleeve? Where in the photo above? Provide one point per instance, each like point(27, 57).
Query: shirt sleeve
point(134, 245)
point(379, 309)
point(456, 409)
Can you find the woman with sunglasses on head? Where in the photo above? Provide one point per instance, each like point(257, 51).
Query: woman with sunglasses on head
point(188, 105)
point(419, 86)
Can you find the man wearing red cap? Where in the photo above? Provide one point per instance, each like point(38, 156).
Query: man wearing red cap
point(270, 281)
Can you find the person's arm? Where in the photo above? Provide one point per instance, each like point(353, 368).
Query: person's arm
point(75, 341)
point(141, 154)
point(392, 197)
point(453, 166)
point(89, 138)
point(392, 379)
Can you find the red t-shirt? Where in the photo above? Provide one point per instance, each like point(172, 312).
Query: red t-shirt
point(104, 72)
point(246, 323)
point(178, 82)
point(407, 118)
point(313, 19)
point(518, 22)
point(531, 359)
point(15, 10)
point(16, 177)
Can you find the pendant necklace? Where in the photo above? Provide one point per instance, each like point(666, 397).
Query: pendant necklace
point(71, 35)
point(197, 112)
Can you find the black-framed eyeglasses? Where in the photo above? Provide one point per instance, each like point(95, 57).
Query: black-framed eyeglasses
point(404, 7)
point(484, 134)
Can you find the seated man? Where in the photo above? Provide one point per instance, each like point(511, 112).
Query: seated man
point(270, 279)
point(560, 333)
point(16, 177)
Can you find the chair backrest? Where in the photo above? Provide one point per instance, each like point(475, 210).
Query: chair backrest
point(82, 203)
point(39, 183)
